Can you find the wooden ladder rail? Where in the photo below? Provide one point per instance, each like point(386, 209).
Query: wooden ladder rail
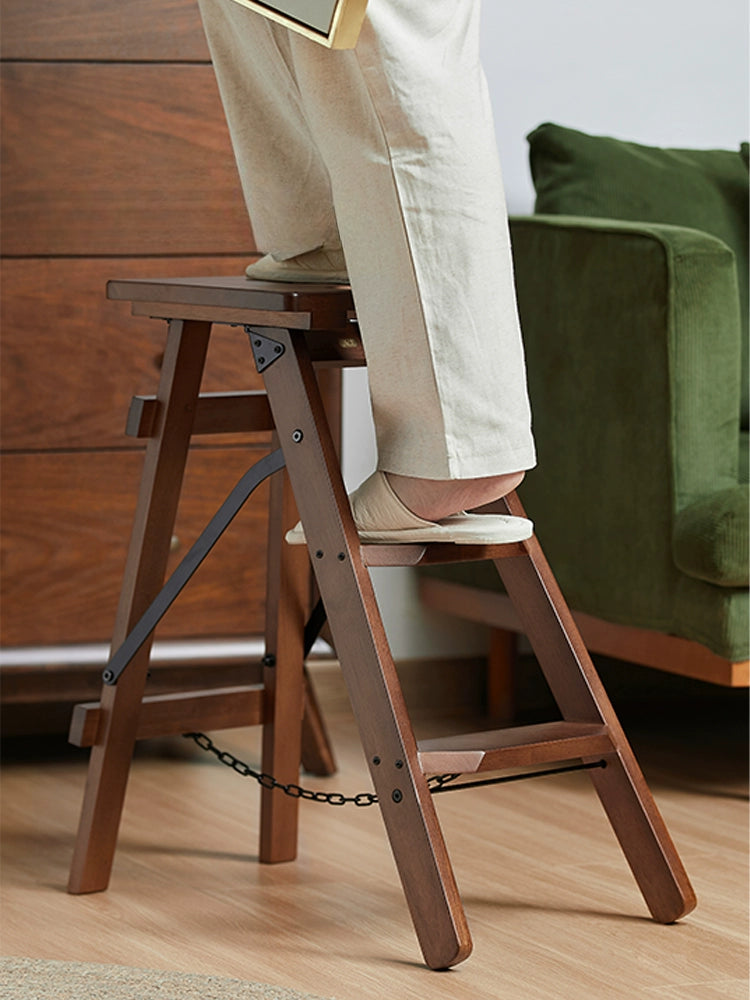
point(396, 763)
point(112, 726)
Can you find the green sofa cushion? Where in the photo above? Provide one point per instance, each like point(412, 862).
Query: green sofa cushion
point(595, 176)
point(711, 538)
point(744, 463)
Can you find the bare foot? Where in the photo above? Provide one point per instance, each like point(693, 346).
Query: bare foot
point(434, 499)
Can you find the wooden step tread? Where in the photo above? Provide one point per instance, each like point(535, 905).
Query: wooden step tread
point(437, 553)
point(233, 298)
point(519, 746)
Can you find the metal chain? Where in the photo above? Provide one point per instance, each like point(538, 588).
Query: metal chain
point(268, 780)
point(437, 782)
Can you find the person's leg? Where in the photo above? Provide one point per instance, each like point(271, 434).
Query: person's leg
point(435, 499)
point(404, 127)
point(284, 181)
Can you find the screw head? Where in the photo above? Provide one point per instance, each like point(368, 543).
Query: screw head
point(397, 795)
point(297, 436)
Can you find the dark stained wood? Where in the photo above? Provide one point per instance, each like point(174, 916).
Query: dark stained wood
point(65, 528)
point(166, 454)
point(317, 752)
point(589, 729)
point(102, 159)
point(372, 682)
point(519, 746)
point(174, 714)
point(670, 653)
point(215, 413)
point(70, 359)
point(319, 307)
point(288, 606)
point(436, 553)
point(581, 697)
point(286, 691)
point(502, 657)
point(109, 150)
point(102, 30)
point(71, 683)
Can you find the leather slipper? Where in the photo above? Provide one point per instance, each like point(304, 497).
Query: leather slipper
point(381, 517)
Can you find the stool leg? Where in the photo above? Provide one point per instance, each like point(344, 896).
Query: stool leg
point(287, 603)
point(580, 696)
point(374, 690)
point(164, 464)
point(501, 664)
point(317, 754)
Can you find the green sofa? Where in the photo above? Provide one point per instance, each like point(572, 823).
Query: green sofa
point(633, 287)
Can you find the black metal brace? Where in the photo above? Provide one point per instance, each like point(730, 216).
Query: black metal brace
point(315, 623)
point(265, 349)
point(444, 782)
point(210, 535)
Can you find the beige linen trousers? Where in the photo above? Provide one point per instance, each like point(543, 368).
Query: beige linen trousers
point(390, 150)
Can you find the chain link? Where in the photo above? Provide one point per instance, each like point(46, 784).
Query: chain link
point(268, 780)
point(436, 783)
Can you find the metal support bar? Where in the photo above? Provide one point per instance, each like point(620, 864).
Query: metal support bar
point(198, 552)
point(315, 623)
point(444, 781)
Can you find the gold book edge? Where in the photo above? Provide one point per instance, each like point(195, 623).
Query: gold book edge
point(346, 22)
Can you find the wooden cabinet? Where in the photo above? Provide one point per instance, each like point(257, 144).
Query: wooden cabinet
point(116, 163)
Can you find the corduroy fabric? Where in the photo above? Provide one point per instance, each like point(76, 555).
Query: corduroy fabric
point(633, 373)
point(597, 176)
point(744, 459)
point(632, 336)
point(711, 538)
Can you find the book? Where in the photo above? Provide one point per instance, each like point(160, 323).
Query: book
point(333, 23)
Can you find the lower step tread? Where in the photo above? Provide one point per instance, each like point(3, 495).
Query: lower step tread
point(518, 746)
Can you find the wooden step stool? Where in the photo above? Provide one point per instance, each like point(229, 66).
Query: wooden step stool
point(293, 328)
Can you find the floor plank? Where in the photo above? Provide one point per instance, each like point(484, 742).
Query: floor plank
point(552, 906)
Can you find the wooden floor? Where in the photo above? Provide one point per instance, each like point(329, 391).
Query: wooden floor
point(553, 909)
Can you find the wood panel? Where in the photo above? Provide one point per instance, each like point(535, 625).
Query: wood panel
point(65, 528)
point(116, 162)
point(103, 30)
point(103, 159)
point(70, 359)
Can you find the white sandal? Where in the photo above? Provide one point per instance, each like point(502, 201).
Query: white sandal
point(380, 516)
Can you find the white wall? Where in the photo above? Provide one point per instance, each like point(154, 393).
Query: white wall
point(661, 72)
point(664, 72)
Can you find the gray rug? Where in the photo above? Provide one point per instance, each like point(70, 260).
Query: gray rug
point(38, 979)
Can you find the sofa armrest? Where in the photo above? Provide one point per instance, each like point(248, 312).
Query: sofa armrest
point(653, 305)
point(632, 334)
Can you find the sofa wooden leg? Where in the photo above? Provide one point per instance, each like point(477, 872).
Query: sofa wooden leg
point(501, 669)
